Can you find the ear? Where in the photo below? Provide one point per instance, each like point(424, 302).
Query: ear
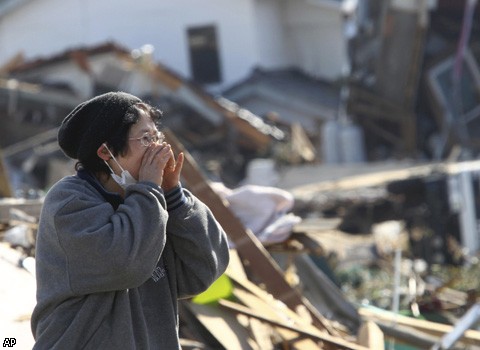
point(103, 153)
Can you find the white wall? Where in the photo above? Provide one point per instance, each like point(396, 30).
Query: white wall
point(27, 28)
point(302, 33)
point(44, 27)
point(306, 34)
point(267, 33)
point(317, 38)
point(271, 35)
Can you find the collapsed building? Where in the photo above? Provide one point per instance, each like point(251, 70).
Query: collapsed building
point(436, 203)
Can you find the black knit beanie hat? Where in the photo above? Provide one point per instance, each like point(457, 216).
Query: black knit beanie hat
point(89, 124)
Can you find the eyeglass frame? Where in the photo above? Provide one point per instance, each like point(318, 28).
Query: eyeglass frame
point(148, 139)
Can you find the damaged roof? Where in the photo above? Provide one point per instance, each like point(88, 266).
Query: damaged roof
point(166, 82)
point(290, 94)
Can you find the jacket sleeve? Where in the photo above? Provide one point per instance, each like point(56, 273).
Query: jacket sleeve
point(109, 249)
point(200, 246)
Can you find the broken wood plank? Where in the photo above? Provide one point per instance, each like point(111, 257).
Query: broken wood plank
point(262, 334)
point(381, 178)
point(338, 342)
point(371, 336)
point(471, 336)
point(300, 315)
point(188, 344)
point(31, 207)
point(316, 225)
point(324, 294)
point(48, 136)
point(222, 325)
point(407, 335)
point(269, 310)
point(235, 266)
point(33, 226)
point(5, 187)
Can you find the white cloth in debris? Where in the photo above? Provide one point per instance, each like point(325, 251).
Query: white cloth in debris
point(262, 209)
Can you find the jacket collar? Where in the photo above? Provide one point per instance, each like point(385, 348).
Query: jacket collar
point(113, 198)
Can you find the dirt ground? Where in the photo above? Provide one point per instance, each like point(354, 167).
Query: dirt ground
point(17, 299)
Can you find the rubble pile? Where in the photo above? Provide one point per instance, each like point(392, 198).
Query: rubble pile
point(319, 288)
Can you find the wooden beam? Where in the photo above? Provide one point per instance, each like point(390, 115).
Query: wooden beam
point(5, 188)
point(371, 336)
point(339, 343)
point(471, 336)
point(222, 325)
point(279, 313)
point(31, 207)
point(250, 249)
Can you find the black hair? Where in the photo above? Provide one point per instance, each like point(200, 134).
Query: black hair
point(117, 140)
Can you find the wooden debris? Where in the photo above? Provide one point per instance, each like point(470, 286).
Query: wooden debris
point(5, 188)
point(325, 338)
point(471, 337)
point(274, 311)
point(262, 334)
point(188, 344)
point(317, 287)
point(31, 207)
point(269, 312)
point(257, 261)
point(371, 336)
point(222, 325)
point(249, 247)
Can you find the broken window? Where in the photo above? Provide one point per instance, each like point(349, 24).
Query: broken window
point(461, 104)
point(204, 58)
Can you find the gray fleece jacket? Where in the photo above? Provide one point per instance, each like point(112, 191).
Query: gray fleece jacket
point(109, 273)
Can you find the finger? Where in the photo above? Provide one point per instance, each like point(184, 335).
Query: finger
point(179, 165)
point(166, 158)
point(171, 161)
point(150, 154)
point(160, 153)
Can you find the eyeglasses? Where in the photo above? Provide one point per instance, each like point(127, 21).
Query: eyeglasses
point(148, 139)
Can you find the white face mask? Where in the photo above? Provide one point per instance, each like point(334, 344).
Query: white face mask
point(125, 179)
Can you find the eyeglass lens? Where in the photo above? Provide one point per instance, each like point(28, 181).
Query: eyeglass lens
point(147, 140)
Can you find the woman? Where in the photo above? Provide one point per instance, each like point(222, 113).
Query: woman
point(119, 242)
